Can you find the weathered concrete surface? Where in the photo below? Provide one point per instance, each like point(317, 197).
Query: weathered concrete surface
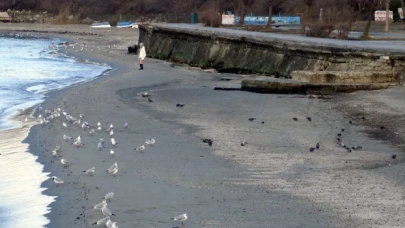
point(272, 85)
point(343, 76)
point(264, 53)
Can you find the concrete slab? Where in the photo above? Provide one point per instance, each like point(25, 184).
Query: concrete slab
point(287, 86)
point(343, 76)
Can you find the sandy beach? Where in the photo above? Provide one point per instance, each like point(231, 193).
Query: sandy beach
point(272, 181)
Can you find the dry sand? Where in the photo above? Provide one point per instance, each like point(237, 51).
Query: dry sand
point(273, 181)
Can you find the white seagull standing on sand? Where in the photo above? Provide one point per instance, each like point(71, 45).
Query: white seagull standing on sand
point(90, 171)
point(111, 133)
point(102, 221)
point(141, 148)
point(112, 153)
point(106, 211)
point(100, 205)
point(150, 142)
point(113, 142)
point(67, 137)
point(65, 162)
point(92, 131)
point(57, 180)
point(115, 165)
point(99, 146)
point(181, 218)
point(64, 124)
point(126, 125)
point(109, 196)
point(113, 171)
point(99, 126)
point(54, 153)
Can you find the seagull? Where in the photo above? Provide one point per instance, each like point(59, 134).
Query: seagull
point(54, 153)
point(90, 171)
point(150, 142)
point(126, 125)
point(145, 94)
point(100, 205)
point(109, 196)
point(78, 138)
point(181, 218)
point(99, 128)
point(85, 125)
point(66, 137)
point(113, 142)
point(91, 132)
point(65, 162)
point(106, 211)
point(251, 119)
point(111, 126)
point(64, 124)
point(100, 146)
point(57, 180)
point(113, 171)
point(317, 146)
point(140, 148)
point(111, 133)
point(112, 153)
point(295, 119)
point(102, 221)
point(114, 166)
point(81, 116)
point(309, 119)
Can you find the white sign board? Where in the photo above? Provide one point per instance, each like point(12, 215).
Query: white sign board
point(228, 19)
point(401, 14)
point(379, 15)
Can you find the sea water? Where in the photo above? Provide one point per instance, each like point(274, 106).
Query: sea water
point(28, 69)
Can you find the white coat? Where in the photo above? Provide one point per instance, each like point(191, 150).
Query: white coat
point(142, 53)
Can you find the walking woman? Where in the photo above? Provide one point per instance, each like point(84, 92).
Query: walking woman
point(141, 55)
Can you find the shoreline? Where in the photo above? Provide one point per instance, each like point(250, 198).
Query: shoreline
point(273, 181)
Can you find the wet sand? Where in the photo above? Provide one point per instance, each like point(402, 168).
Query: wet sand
point(273, 181)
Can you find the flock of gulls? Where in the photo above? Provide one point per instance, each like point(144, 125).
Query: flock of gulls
point(71, 122)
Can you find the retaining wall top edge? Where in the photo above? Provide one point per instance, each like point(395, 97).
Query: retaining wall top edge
point(256, 37)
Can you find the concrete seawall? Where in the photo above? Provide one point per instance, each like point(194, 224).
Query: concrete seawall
point(276, 54)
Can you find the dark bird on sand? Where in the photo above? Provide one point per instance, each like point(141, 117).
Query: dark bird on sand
point(180, 105)
point(262, 122)
point(295, 119)
point(363, 118)
point(394, 156)
point(339, 134)
point(311, 149)
point(350, 122)
point(150, 100)
point(251, 119)
point(208, 141)
point(317, 146)
point(357, 147)
point(382, 127)
point(342, 129)
point(349, 150)
point(338, 139)
point(243, 143)
point(309, 119)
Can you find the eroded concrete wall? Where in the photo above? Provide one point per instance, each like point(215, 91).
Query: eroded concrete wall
point(233, 53)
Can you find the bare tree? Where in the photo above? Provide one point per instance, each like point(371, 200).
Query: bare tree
point(387, 16)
